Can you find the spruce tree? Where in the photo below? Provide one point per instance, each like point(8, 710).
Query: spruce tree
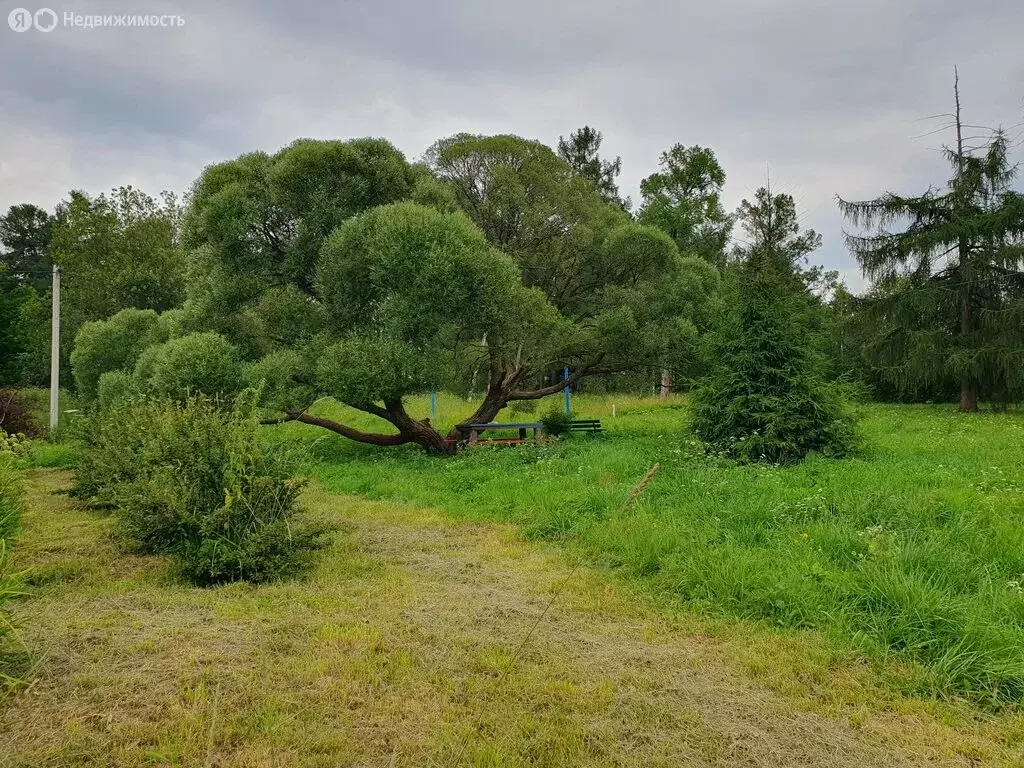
point(766, 399)
point(953, 300)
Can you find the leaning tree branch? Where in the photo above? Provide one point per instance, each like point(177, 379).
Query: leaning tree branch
point(537, 394)
point(371, 438)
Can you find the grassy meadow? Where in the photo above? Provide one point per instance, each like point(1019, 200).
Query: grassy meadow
point(507, 607)
point(912, 553)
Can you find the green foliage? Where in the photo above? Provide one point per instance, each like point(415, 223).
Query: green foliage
point(114, 387)
point(117, 251)
point(16, 414)
point(556, 421)
point(858, 344)
point(580, 151)
point(401, 283)
point(193, 481)
point(200, 363)
point(328, 281)
point(361, 370)
point(409, 271)
point(10, 487)
point(771, 220)
point(25, 236)
point(262, 219)
point(17, 316)
point(285, 377)
point(13, 445)
point(948, 303)
point(114, 344)
point(618, 286)
point(532, 205)
point(523, 407)
point(766, 398)
point(30, 337)
point(683, 199)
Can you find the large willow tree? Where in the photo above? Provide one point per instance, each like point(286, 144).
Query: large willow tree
point(952, 307)
point(337, 269)
point(625, 286)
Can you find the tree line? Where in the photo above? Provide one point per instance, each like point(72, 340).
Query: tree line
point(340, 269)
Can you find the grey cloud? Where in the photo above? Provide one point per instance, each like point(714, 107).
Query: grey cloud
point(826, 95)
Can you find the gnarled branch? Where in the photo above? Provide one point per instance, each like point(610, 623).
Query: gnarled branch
point(536, 394)
point(371, 438)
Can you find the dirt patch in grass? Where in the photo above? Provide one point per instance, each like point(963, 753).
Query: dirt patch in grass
point(397, 650)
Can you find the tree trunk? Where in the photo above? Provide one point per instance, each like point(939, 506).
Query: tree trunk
point(968, 398)
point(968, 395)
point(666, 384)
point(421, 432)
point(500, 391)
point(493, 402)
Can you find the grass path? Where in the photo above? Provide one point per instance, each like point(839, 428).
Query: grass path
point(392, 653)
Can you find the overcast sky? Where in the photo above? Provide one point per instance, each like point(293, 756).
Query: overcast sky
point(827, 95)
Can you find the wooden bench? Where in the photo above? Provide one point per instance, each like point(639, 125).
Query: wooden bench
point(472, 431)
point(593, 426)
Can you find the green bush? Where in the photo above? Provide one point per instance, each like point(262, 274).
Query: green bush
point(14, 446)
point(10, 497)
point(16, 414)
point(200, 363)
point(192, 480)
point(114, 344)
point(556, 421)
point(114, 386)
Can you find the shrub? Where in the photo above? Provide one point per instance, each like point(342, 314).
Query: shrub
point(114, 344)
point(10, 498)
point(114, 387)
point(556, 421)
point(12, 447)
point(16, 414)
point(200, 363)
point(193, 481)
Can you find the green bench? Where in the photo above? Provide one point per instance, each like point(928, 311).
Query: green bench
point(593, 426)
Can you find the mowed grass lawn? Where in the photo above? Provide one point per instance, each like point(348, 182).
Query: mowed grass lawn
point(421, 640)
point(912, 553)
point(502, 608)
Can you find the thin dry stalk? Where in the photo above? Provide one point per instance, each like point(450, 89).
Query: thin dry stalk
point(648, 479)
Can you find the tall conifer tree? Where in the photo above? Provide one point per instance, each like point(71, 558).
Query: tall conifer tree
point(954, 300)
point(766, 398)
